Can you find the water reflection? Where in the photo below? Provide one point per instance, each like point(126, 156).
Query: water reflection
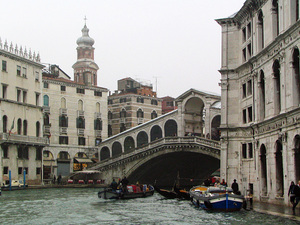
point(82, 206)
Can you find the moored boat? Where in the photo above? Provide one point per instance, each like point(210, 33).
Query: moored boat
point(217, 198)
point(170, 194)
point(131, 192)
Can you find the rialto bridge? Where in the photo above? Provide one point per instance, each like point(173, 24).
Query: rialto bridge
point(183, 142)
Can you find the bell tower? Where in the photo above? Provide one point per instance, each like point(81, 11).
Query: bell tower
point(85, 68)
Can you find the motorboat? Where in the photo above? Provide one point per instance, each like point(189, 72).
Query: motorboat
point(130, 192)
point(217, 198)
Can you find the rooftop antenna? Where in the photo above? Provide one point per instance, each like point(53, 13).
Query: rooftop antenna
point(85, 19)
point(156, 84)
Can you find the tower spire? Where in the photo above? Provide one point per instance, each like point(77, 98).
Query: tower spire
point(85, 19)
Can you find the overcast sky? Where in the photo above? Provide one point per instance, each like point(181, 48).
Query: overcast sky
point(174, 43)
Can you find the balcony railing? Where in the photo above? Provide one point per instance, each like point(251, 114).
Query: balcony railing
point(22, 139)
point(98, 133)
point(80, 113)
point(97, 115)
point(46, 109)
point(80, 131)
point(63, 112)
point(63, 130)
point(47, 129)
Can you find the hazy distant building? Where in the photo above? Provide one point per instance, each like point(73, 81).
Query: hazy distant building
point(260, 98)
point(75, 113)
point(21, 118)
point(168, 104)
point(132, 104)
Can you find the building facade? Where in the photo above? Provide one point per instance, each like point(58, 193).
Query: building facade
point(21, 119)
point(168, 104)
point(75, 113)
point(260, 120)
point(132, 104)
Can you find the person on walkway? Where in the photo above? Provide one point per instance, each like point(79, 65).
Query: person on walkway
point(54, 179)
point(114, 185)
point(291, 193)
point(223, 183)
point(59, 179)
point(235, 187)
point(297, 196)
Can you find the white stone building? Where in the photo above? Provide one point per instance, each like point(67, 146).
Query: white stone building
point(21, 116)
point(260, 120)
point(75, 113)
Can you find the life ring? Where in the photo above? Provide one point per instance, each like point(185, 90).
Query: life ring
point(208, 204)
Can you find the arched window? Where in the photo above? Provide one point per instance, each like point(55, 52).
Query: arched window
point(275, 18)
point(153, 102)
point(140, 114)
point(98, 107)
point(98, 124)
point(46, 100)
point(63, 103)
point(294, 11)
point(38, 127)
point(123, 113)
point(262, 95)
point(263, 170)
point(80, 105)
point(296, 76)
point(279, 169)
point(80, 123)
point(277, 85)
point(4, 124)
point(110, 115)
point(153, 115)
point(260, 31)
point(19, 126)
point(25, 127)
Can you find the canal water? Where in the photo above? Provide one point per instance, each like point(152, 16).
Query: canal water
point(82, 206)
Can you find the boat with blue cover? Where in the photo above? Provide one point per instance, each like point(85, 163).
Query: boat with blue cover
point(217, 198)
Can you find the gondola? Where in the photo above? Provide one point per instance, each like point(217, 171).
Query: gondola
point(182, 193)
point(130, 193)
point(166, 193)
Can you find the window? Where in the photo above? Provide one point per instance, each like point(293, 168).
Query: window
point(260, 31)
point(46, 85)
point(63, 155)
point(38, 154)
point(4, 124)
point(169, 104)
point(62, 88)
point(4, 91)
point(81, 140)
point(244, 151)
point(98, 93)
point(37, 99)
point(25, 127)
point(244, 55)
point(37, 76)
point(4, 64)
point(153, 115)
point(20, 152)
point(244, 90)
point(20, 170)
point(24, 96)
point(80, 123)
point(25, 153)
point(140, 114)
point(109, 115)
point(5, 170)
point(24, 72)
point(63, 121)
point(5, 151)
point(18, 70)
point(80, 90)
point(249, 50)
point(244, 116)
point(38, 170)
point(248, 30)
point(250, 114)
point(98, 124)
point(122, 100)
point(26, 170)
point(140, 99)
point(18, 95)
point(46, 100)
point(38, 128)
point(63, 140)
point(250, 150)
point(153, 102)
point(249, 87)
point(19, 126)
point(109, 101)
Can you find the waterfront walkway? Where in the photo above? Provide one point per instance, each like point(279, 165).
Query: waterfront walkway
point(277, 210)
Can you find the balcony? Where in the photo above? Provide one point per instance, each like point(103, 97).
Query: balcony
point(47, 129)
point(80, 113)
point(98, 133)
point(63, 130)
point(46, 109)
point(63, 112)
point(22, 139)
point(80, 131)
point(140, 120)
point(97, 115)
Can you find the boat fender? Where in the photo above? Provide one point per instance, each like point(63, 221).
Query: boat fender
point(208, 204)
point(244, 204)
